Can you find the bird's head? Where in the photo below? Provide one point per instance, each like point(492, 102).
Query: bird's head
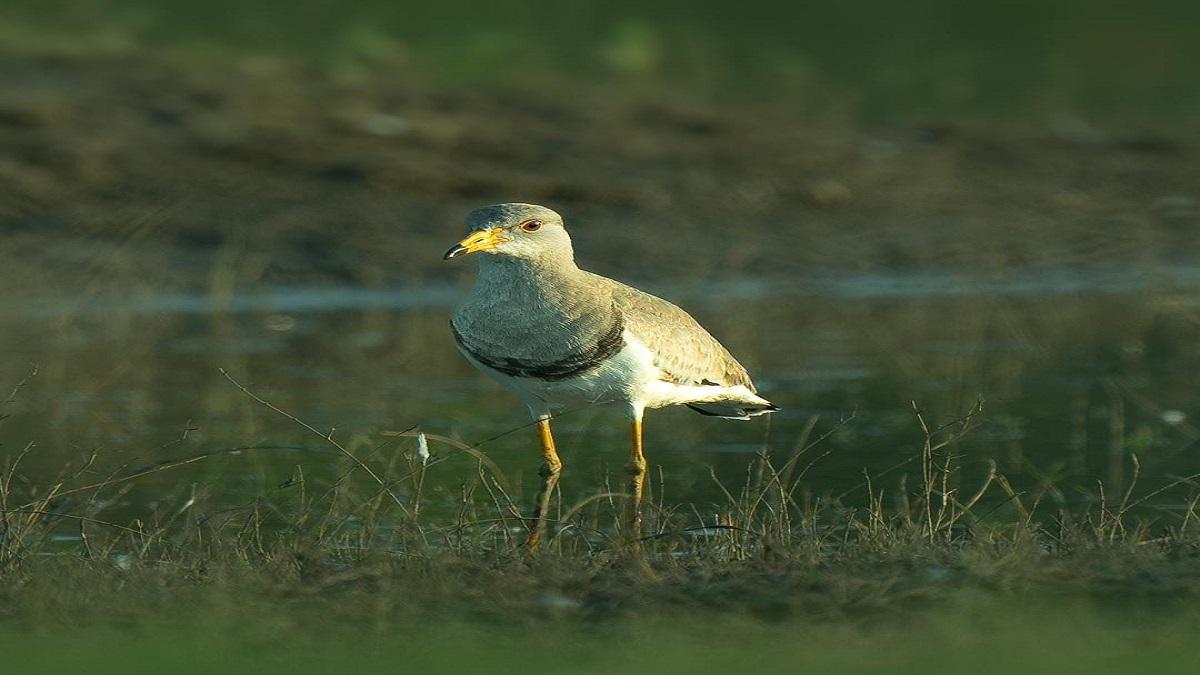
point(524, 231)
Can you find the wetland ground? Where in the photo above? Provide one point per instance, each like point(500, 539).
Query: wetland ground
point(181, 217)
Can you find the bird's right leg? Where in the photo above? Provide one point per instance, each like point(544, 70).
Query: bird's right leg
point(551, 468)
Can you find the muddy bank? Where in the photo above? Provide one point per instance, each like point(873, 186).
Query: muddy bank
point(151, 169)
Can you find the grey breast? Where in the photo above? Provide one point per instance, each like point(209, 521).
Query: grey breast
point(550, 329)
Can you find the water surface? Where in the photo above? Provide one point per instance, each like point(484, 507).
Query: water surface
point(1077, 371)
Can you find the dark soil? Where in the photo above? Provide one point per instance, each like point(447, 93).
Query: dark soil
point(154, 168)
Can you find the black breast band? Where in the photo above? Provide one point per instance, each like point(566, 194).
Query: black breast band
point(585, 359)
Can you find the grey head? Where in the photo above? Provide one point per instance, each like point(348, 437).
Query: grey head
point(516, 231)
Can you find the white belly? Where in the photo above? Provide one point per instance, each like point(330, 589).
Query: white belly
point(630, 378)
point(621, 378)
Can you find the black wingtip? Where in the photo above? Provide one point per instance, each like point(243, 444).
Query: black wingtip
point(732, 413)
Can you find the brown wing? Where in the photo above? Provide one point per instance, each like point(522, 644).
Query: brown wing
point(682, 348)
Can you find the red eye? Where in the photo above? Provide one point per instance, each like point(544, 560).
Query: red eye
point(531, 225)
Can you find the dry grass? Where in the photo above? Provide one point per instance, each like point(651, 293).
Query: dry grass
point(368, 546)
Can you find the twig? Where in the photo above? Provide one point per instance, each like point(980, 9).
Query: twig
point(163, 466)
point(17, 389)
point(327, 437)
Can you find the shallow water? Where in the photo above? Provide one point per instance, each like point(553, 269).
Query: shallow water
point(1077, 371)
point(319, 299)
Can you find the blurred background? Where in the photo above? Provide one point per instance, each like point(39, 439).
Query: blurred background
point(870, 203)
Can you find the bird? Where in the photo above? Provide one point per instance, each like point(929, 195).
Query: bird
point(560, 337)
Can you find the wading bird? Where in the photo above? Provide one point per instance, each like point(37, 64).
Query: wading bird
point(560, 336)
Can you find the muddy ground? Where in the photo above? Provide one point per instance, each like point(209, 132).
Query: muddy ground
point(153, 169)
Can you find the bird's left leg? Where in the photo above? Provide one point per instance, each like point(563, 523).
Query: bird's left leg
point(637, 482)
point(551, 468)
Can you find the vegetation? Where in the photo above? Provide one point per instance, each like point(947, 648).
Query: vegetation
point(363, 569)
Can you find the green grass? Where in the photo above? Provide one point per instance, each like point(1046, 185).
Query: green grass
point(971, 637)
point(930, 58)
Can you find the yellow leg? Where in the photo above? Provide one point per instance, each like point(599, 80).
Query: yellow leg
point(551, 468)
point(637, 481)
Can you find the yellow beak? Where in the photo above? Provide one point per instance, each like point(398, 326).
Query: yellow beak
point(481, 240)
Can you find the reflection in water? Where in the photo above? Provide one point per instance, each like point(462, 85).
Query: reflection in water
point(1077, 372)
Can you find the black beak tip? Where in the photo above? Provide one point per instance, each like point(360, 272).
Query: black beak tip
point(455, 251)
